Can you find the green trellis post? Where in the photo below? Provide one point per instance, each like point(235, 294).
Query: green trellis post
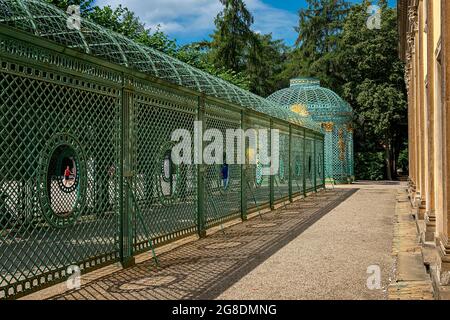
point(272, 176)
point(323, 165)
point(243, 169)
point(315, 162)
point(125, 203)
point(304, 162)
point(290, 164)
point(201, 171)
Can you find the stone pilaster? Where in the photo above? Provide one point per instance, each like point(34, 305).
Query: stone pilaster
point(410, 78)
point(444, 269)
point(421, 109)
point(443, 242)
point(430, 214)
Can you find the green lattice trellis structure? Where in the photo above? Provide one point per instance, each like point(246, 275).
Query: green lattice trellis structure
point(106, 107)
point(306, 97)
point(49, 22)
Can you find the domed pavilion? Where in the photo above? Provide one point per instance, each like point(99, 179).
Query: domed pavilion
point(306, 97)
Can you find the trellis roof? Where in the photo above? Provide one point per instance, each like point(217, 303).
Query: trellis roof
point(322, 103)
point(48, 21)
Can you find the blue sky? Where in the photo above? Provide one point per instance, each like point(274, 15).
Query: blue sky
point(193, 20)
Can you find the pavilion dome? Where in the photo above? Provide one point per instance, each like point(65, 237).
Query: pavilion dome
point(306, 96)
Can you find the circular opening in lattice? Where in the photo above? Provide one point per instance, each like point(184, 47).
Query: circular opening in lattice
point(62, 182)
point(63, 165)
point(168, 177)
point(167, 170)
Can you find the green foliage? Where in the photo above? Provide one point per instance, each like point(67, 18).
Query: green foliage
point(254, 58)
point(265, 63)
point(120, 20)
point(372, 81)
point(319, 31)
point(403, 160)
point(361, 65)
point(197, 55)
point(233, 36)
point(369, 166)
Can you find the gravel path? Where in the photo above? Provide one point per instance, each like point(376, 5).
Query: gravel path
point(330, 259)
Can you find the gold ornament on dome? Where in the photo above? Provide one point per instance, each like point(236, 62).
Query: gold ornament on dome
point(350, 128)
point(328, 126)
point(300, 109)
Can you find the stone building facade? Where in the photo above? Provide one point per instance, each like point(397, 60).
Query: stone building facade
point(424, 27)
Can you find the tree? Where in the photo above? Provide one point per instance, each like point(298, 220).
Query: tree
point(197, 55)
point(232, 36)
point(264, 63)
point(248, 55)
point(373, 83)
point(362, 66)
point(319, 29)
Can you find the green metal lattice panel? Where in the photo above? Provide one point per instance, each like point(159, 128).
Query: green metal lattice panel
point(297, 161)
point(223, 196)
point(350, 155)
point(340, 155)
point(50, 120)
point(257, 184)
point(329, 156)
point(309, 163)
point(281, 183)
point(319, 164)
point(166, 192)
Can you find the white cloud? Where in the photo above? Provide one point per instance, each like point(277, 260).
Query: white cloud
point(268, 19)
point(195, 18)
point(185, 17)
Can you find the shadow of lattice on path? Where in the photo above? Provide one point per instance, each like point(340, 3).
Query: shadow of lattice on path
point(205, 268)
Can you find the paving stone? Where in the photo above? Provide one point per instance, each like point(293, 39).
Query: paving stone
point(411, 267)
